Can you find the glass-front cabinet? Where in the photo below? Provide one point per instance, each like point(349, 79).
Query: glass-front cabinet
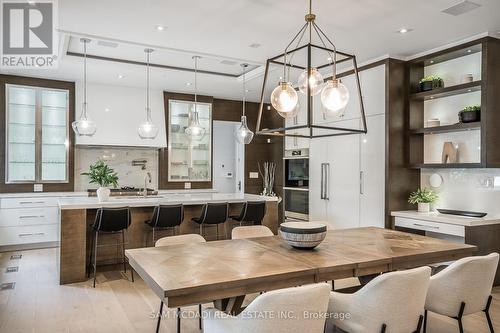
point(189, 159)
point(37, 134)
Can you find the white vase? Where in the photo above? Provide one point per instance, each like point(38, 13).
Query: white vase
point(424, 207)
point(103, 193)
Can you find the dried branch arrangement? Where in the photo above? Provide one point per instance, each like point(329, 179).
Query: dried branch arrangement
point(267, 172)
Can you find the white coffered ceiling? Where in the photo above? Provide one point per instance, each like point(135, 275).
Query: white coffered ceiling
point(223, 30)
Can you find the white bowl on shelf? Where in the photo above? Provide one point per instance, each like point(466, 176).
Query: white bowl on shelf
point(303, 235)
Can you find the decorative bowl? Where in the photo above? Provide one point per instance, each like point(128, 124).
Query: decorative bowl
point(303, 235)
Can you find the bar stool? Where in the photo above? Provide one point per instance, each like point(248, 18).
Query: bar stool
point(166, 217)
point(212, 214)
point(176, 240)
point(252, 211)
point(109, 221)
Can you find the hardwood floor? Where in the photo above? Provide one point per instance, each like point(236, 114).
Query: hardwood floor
point(39, 304)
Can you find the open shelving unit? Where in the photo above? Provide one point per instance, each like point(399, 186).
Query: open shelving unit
point(477, 142)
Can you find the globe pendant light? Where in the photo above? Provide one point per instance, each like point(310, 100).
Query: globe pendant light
point(334, 95)
point(314, 80)
point(195, 131)
point(147, 130)
point(243, 134)
point(84, 126)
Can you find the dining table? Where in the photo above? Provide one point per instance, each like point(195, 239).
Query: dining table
point(225, 271)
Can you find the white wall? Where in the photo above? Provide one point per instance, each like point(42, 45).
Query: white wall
point(118, 111)
point(224, 156)
point(466, 189)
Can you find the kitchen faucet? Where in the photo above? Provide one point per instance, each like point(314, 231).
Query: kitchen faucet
point(147, 178)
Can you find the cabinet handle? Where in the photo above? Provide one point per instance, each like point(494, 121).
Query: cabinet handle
point(322, 181)
point(31, 216)
point(426, 226)
point(361, 182)
point(32, 234)
point(31, 202)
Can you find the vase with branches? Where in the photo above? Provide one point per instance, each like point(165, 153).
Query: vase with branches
point(267, 172)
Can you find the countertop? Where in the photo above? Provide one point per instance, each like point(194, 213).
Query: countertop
point(446, 218)
point(185, 199)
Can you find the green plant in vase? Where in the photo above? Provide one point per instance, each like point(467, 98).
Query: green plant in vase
point(431, 82)
point(424, 198)
point(101, 174)
point(470, 114)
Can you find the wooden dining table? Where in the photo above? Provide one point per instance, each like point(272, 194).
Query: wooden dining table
point(225, 271)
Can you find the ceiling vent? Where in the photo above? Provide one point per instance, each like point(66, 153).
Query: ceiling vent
point(107, 44)
point(461, 8)
point(228, 62)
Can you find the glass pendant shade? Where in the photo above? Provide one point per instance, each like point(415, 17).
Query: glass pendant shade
point(243, 134)
point(314, 80)
point(291, 114)
point(334, 96)
point(195, 131)
point(147, 130)
point(84, 126)
point(284, 98)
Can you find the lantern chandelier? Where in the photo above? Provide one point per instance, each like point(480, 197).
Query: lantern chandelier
point(334, 94)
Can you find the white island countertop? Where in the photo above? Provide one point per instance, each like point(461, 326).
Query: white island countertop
point(447, 218)
point(185, 199)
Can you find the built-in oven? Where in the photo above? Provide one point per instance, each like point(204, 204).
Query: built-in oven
point(296, 201)
point(297, 172)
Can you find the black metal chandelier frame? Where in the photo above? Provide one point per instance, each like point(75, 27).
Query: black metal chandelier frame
point(287, 65)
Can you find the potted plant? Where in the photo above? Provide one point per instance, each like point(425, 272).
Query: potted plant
point(431, 82)
point(424, 198)
point(100, 173)
point(470, 114)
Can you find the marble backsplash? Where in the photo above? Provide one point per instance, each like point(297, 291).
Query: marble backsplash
point(120, 159)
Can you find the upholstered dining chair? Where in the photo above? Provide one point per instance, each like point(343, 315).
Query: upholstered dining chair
point(291, 310)
point(463, 288)
point(393, 301)
point(251, 231)
point(178, 240)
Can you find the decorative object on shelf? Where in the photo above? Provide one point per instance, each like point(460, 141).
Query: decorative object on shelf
point(334, 95)
point(101, 174)
point(267, 173)
point(470, 114)
point(450, 153)
point(243, 134)
point(431, 82)
point(467, 78)
point(435, 180)
point(424, 198)
point(433, 122)
point(303, 235)
point(195, 131)
point(147, 130)
point(84, 126)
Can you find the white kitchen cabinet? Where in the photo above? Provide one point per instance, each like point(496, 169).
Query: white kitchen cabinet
point(117, 112)
point(355, 163)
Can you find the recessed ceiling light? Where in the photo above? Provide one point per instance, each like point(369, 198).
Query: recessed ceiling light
point(469, 51)
point(432, 61)
point(106, 110)
point(329, 59)
point(404, 30)
point(247, 90)
point(254, 45)
point(120, 76)
point(188, 84)
point(160, 28)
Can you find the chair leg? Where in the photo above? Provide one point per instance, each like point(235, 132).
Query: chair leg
point(425, 321)
point(419, 326)
point(487, 312)
point(95, 255)
point(200, 313)
point(90, 256)
point(460, 326)
point(178, 320)
point(333, 285)
point(459, 317)
point(216, 232)
point(384, 326)
point(159, 317)
point(123, 252)
point(154, 236)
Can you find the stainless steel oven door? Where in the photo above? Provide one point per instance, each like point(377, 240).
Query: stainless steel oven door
point(297, 203)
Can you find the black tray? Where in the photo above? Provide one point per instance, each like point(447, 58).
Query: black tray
point(461, 212)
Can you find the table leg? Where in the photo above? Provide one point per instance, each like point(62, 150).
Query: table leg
point(231, 305)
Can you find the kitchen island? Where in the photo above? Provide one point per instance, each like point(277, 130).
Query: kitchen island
point(77, 214)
